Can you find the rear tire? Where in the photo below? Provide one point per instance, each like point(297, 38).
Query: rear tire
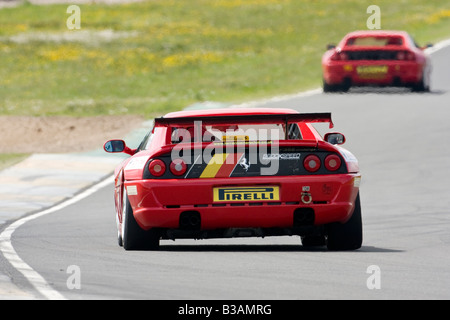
point(421, 86)
point(349, 235)
point(327, 88)
point(119, 239)
point(343, 87)
point(133, 236)
point(313, 241)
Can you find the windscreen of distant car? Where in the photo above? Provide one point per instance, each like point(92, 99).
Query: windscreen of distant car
point(375, 41)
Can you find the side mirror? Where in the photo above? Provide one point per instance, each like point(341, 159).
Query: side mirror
point(331, 46)
point(113, 146)
point(335, 138)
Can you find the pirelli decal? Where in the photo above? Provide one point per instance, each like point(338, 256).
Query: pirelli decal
point(221, 165)
point(235, 194)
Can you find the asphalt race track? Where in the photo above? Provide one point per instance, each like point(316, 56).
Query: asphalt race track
point(402, 141)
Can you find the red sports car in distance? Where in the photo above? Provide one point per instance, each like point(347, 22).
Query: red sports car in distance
point(376, 58)
point(238, 173)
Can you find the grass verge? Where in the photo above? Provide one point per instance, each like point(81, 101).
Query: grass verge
point(162, 55)
point(10, 159)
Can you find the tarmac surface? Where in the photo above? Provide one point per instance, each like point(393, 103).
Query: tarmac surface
point(44, 180)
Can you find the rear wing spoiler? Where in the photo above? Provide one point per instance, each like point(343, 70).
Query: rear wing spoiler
point(248, 119)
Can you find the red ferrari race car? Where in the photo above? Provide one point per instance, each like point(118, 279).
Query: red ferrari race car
point(376, 58)
point(238, 173)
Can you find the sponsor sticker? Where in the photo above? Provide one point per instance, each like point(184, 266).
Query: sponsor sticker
point(132, 190)
point(356, 182)
point(281, 156)
point(235, 194)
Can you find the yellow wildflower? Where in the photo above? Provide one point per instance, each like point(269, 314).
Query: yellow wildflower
point(438, 16)
point(239, 3)
point(62, 53)
point(182, 59)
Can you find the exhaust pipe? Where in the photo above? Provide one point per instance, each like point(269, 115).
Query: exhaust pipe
point(190, 220)
point(304, 217)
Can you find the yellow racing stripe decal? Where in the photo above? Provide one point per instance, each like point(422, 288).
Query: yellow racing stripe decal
point(214, 165)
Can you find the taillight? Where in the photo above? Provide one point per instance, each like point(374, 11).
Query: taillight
point(332, 162)
point(401, 55)
point(339, 56)
point(312, 163)
point(178, 167)
point(157, 168)
point(406, 55)
point(410, 56)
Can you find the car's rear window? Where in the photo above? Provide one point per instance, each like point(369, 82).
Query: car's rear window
point(234, 133)
point(375, 41)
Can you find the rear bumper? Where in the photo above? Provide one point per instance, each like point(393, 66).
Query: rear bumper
point(159, 203)
point(394, 73)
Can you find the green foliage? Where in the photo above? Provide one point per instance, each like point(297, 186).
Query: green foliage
point(9, 159)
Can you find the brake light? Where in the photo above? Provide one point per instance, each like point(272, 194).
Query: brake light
point(178, 167)
point(157, 168)
point(312, 163)
point(332, 162)
point(410, 56)
point(406, 55)
point(401, 55)
point(339, 56)
point(343, 56)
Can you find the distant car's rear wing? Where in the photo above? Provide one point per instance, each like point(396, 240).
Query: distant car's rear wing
point(248, 119)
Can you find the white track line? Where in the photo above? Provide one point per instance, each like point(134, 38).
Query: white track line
point(438, 46)
point(35, 278)
point(6, 247)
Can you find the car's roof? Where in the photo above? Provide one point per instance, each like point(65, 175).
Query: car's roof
point(363, 33)
point(228, 112)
